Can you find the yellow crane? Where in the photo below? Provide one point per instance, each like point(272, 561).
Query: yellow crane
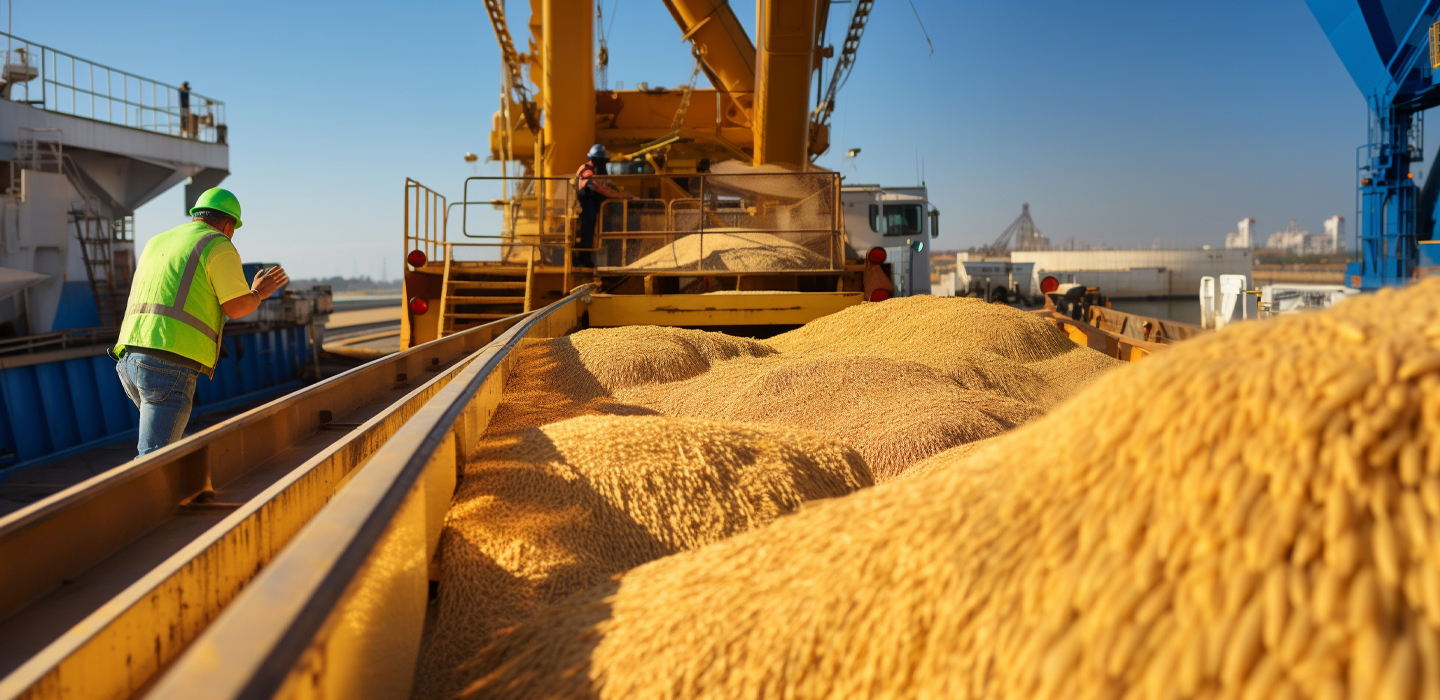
point(710, 169)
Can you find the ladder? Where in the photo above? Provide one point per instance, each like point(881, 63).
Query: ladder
point(109, 281)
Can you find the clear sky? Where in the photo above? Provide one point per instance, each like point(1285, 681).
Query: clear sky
point(1130, 121)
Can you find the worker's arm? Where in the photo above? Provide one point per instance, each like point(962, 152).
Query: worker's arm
point(266, 282)
point(609, 192)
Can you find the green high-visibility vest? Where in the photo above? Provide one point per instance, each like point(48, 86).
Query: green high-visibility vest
point(173, 306)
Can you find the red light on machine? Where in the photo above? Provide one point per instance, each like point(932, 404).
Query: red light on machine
point(879, 294)
point(1365, 181)
point(1410, 175)
point(419, 306)
point(1049, 284)
point(416, 258)
point(876, 255)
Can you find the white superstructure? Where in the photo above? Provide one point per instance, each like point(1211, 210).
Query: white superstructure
point(898, 219)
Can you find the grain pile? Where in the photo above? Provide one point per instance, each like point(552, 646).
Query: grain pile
point(898, 381)
point(547, 512)
point(892, 412)
point(979, 345)
point(741, 252)
point(1268, 526)
point(575, 375)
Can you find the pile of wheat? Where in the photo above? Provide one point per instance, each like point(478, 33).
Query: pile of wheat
point(898, 381)
point(1265, 525)
point(980, 345)
point(575, 375)
point(741, 252)
point(892, 412)
point(543, 513)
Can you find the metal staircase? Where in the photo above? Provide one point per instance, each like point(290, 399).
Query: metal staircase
point(472, 296)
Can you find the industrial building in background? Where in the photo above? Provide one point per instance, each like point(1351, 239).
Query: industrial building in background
point(1241, 237)
point(1291, 240)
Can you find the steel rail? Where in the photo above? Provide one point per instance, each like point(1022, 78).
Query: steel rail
point(311, 623)
point(123, 624)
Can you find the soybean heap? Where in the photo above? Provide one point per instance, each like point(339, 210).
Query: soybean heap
point(1266, 526)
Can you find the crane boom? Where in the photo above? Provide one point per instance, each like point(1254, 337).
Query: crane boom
point(726, 51)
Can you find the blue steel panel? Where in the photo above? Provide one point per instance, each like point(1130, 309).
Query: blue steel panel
point(51, 407)
point(249, 362)
point(1344, 23)
point(116, 409)
point(22, 408)
point(77, 307)
point(85, 398)
point(8, 453)
point(58, 405)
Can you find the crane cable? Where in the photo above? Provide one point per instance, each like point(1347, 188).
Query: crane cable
point(843, 65)
point(922, 27)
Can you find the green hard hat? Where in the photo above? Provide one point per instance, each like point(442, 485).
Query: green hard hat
point(221, 200)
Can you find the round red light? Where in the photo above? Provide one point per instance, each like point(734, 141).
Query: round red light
point(876, 255)
point(419, 306)
point(879, 294)
point(1049, 284)
point(416, 258)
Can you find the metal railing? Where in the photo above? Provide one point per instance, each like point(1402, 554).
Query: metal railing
point(60, 82)
point(536, 214)
point(760, 222)
point(425, 219)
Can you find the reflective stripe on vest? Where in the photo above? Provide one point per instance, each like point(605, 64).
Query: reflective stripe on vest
point(176, 310)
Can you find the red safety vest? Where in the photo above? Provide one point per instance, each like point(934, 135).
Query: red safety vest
point(584, 175)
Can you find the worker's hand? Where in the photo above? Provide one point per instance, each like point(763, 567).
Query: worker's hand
point(269, 280)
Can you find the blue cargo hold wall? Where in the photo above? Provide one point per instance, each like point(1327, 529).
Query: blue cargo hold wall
point(57, 408)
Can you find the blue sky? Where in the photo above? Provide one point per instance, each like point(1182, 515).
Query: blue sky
point(1130, 121)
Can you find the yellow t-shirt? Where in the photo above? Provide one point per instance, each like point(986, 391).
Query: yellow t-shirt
point(226, 275)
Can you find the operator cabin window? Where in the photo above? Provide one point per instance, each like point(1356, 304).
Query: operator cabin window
point(896, 219)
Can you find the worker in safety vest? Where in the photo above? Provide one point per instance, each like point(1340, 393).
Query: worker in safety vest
point(591, 191)
point(188, 282)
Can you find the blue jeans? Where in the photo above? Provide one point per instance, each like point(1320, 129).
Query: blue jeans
point(164, 393)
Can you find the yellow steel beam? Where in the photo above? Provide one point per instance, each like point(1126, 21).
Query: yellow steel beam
point(769, 308)
point(121, 638)
point(340, 612)
point(568, 89)
point(725, 49)
point(785, 37)
point(1120, 347)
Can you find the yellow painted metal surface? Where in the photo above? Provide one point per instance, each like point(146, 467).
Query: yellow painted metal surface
point(727, 53)
point(784, 308)
point(785, 42)
point(1120, 347)
point(567, 92)
point(118, 648)
point(340, 612)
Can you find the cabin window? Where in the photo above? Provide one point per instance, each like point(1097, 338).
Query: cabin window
point(902, 220)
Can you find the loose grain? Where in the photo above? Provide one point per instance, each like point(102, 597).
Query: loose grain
point(546, 512)
point(1211, 539)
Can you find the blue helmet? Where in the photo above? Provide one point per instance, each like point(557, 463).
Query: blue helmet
point(597, 151)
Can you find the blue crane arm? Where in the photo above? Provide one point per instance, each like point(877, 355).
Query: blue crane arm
point(1365, 52)
point(1385, 44)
